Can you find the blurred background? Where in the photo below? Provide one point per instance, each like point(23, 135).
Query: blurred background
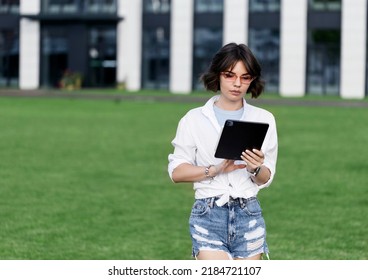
point(315, 47)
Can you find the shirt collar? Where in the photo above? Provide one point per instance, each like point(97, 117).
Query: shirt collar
point(208, 111)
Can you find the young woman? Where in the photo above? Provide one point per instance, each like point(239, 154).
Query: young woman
point(226, 220)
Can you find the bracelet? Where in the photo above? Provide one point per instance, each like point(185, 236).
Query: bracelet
point(207, 172)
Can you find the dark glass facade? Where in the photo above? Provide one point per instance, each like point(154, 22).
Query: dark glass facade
point(102, 56)
point(55, 53)
point(325, 5)
point(79, 36)
point(156, 44)
point(323, 47)
point(78, 39)
point(79, 6)
point(9, 7)
point(264, 39)
point(209, 6)
point(207, 36)
point(264, 5)
point(9, 43)
point(156, 6)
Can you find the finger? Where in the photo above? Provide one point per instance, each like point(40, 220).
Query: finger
point(250, 162)
point(257, 155)
point(240, 166)
point(250, 155)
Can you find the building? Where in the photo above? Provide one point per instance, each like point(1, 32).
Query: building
point(305, 46)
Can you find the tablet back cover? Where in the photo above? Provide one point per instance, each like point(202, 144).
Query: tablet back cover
point(237, 136)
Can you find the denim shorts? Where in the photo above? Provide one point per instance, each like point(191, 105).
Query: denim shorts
point(237, 228)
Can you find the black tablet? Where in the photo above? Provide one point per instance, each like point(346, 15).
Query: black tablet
point(237, 136)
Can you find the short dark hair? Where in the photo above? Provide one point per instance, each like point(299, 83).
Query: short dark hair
point(225, 59)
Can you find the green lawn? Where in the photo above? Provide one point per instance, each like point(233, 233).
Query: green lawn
point(87, 179)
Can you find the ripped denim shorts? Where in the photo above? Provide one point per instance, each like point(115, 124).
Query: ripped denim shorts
point(237, 228)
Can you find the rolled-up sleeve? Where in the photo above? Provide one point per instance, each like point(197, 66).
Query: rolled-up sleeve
point(270, 152)
point(184, 147)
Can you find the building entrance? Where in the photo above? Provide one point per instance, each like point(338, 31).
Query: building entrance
point(78, 55)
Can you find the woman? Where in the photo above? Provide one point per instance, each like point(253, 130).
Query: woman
point(226, 220)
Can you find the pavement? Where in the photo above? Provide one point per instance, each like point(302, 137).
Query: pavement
point(176, 98)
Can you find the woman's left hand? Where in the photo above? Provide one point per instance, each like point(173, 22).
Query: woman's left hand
point(253, 159)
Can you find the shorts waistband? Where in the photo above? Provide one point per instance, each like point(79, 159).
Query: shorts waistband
point(232, 201)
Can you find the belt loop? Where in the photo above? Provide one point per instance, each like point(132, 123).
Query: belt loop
point(212, 200)
point(242, 203)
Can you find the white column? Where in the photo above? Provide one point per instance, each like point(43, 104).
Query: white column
point(30, 7)
point(236, 21)
point(293, 44)
point(181, 46)
point(353, 49)
point(121, 50)
point(129, 44)
point(29, 46)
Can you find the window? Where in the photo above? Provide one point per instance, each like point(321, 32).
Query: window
point(100, 6)
point(80, 6)
point(61, 6)
point(322, 5)
point(264, 5)
point(265, 44)
point(323, 65)
point(54, 56)
point(156, 6)
point(207, 41)
point(209, 6)
point(156, 58)
point(9, 57)
point(9, 6)
point(102, 56)
point(156, 44)
point(207, 36)
point(264, 39)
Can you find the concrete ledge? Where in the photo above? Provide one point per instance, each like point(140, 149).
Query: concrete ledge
point(176, 98)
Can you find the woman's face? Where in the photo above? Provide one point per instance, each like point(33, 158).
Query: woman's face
point(234, 83)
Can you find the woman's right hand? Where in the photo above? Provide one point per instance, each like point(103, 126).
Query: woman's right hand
point(227, 166)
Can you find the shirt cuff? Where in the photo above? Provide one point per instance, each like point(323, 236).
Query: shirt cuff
point(173, 165)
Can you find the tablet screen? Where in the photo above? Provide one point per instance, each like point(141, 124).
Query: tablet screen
point(238, 136)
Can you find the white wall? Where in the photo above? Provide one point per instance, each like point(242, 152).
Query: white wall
point(181, 46)
point(235, 21)
point(293, 47)
point(29, 46)
point(129, 44)
point(353, 49)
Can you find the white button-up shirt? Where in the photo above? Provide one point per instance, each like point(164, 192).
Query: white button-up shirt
point(195, 143)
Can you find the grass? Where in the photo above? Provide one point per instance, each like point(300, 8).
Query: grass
point(318, 203)
point(87, 179)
